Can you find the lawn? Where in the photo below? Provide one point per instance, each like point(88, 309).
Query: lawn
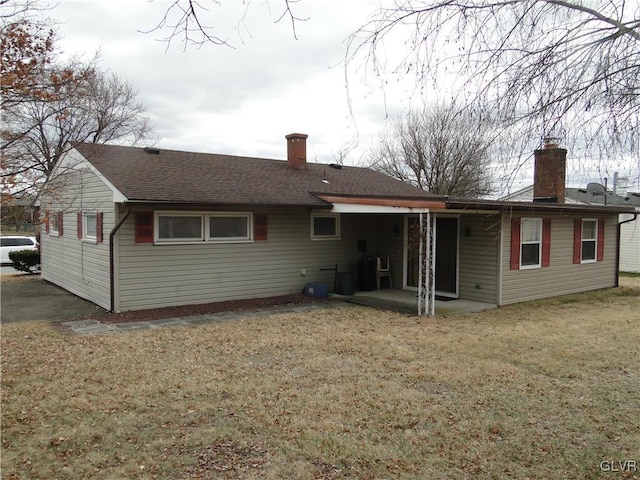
point(547, 389)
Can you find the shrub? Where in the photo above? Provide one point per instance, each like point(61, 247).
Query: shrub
point(25, 260)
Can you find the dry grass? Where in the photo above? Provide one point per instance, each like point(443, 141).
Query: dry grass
point(541, 390)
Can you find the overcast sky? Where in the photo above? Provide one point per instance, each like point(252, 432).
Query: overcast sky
point(240, 100)
point(244, 100)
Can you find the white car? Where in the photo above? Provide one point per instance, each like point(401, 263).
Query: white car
point(13, 243)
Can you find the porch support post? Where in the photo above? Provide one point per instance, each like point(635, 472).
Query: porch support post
point(421, 290)
point(432, 265)
point(426, 270)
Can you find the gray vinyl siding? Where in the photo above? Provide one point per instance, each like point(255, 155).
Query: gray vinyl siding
point(151, 276)
point(478, 259)
point(629, 245)
point(81, 267)
point(562, 276)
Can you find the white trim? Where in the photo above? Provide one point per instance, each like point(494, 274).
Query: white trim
point(539, 242)
point(594, 240)
point(205, 237)
point(85, 235)
point(53, 221)
point(336, 236)
point(357, 208)
point(504, 223)
point(247, 239)
point(173, 241)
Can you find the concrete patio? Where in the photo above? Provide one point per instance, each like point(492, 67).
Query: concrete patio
point(406, 301)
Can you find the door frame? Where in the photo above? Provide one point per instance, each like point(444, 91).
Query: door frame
point(405, 254)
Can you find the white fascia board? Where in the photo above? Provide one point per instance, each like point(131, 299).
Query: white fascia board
point(356, 208)
point(74, 160)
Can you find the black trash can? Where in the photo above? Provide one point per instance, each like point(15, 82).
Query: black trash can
point(367, 273)
point(345, 283)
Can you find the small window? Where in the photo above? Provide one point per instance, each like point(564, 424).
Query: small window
point(325, 227)
point(230, 227)
point(90, 225)
point(589, 240)
point(54, 224)
point(530, 242)
point(179, 228)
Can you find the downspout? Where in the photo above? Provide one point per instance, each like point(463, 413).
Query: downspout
point(112, 234)
point(635, 216)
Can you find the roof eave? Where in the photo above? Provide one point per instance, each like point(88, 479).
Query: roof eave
point(533, 207)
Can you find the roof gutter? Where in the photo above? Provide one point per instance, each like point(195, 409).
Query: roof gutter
point(619, 233)
point(112, 286)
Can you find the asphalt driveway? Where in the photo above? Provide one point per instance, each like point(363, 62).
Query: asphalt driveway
point(30, 298)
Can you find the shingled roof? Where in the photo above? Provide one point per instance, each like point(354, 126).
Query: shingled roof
point(197, 178)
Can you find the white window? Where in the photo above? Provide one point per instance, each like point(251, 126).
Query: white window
point(54, 224)
point(230, 227)
point(193, 227)
point(90, 226)
point(589, 240)
point(179, 228)
point(530, 242)
point(325, 226)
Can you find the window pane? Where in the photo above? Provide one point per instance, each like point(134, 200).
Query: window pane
point(324, 226)
point(229, 227)
point(531, 254)
point(530, 230)
point(16, 242)
point(588, 250)
point(589, 229)
point(91, 225)
point(179, 227)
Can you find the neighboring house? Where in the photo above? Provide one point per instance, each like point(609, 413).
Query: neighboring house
point(133, 228)
point(19, 212)
point(596, 194)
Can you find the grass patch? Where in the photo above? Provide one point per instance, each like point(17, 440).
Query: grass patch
point(547, 389)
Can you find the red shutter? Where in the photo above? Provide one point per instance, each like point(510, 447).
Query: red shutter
point(60, 226)
point(577, 240)
point(600, 254)
point(546, 242)
point(47, 224)
point(99, 227)
point(144, 227)
point(515, 244)
point(260, 226)
point(79, 225)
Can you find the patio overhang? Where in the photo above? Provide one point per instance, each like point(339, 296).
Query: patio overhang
point(361, 204)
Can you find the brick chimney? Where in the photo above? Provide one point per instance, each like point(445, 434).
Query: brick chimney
point(549, 173)
point(297, 151)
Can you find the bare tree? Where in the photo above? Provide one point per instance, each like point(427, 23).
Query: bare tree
point(100, 108)
point(440, 150)
point(549, 67)
point(194, 24)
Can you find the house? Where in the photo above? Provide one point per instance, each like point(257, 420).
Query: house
point(134, 228)
point(19, 212)
point(596, 194)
